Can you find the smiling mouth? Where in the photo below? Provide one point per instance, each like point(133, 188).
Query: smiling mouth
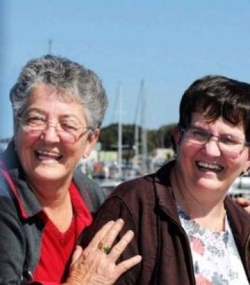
point(47, 155)
point(213, 167)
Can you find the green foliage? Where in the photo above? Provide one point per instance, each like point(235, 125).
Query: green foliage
point(164, 136)
point(161, 138)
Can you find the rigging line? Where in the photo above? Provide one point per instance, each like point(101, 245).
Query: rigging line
point(115, 106)
point(138, 105)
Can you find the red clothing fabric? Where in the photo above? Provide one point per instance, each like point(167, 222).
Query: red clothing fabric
point(57, 247)
point(21, 226)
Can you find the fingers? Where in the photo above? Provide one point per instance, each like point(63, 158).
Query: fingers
point(127, 264)
point(94, 265)
point(243, 200)
point(118, 249)
point(247, 209)
point(77, 253)
point(111, 235)
point(100, 234)
point(105, 237)
point(244, 203)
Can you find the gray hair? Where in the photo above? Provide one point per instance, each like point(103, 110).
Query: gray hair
point(71, 78)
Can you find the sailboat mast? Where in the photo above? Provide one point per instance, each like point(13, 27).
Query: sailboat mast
point(143, 130)
point(119, 158)
point(50, 46)
point(136, 130)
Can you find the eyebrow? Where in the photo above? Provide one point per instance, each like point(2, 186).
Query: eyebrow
point(222, 134)
point(45, 113)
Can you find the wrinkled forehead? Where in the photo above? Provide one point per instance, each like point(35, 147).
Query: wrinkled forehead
point(53, 92)
point(50, 100)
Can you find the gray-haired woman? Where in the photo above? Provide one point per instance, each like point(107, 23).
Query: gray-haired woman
point(58, 108)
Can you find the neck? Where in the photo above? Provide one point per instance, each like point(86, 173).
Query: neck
point(50, 192)
point(56, 203)
point(206, 213)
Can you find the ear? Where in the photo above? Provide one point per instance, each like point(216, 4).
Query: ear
point(92, 140)
point(247, 166)
point(176, 137)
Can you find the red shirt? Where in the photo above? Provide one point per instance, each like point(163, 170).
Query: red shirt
point(57, 247)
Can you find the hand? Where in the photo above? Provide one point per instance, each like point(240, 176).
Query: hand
point(96, 264)
point(244, 203)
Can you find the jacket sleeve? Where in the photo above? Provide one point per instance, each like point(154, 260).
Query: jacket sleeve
point(12, 240)
point(112, 209)
point(14, 243)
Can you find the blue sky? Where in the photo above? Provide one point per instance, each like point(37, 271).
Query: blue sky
point(168, 44)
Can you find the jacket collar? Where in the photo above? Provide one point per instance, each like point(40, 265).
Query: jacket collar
point(163, 190)
point(27, 202)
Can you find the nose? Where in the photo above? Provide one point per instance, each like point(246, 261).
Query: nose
point(50, 134)
point(212, 147)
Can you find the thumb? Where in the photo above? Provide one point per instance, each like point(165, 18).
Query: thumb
point(77, 253)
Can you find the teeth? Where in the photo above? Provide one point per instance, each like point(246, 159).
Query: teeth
point(48, 154)
point(210, 166)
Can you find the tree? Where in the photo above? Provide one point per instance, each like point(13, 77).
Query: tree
point(161, 138)
point(164, 135)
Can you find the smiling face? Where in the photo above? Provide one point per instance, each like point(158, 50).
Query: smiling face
point(207, 167)
point(50, 155)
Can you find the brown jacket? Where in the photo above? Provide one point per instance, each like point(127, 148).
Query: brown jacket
point(148, 208)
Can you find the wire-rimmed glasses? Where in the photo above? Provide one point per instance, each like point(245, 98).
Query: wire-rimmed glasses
point(69, 131)
point(228, 143)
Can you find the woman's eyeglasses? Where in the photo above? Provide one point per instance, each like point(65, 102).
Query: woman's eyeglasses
point(229, 144)
point(69, 130)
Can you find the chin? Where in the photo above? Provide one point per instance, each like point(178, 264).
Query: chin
point(209, 184)
point(48, 173)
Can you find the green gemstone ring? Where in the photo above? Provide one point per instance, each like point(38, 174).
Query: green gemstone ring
point(106, 249)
